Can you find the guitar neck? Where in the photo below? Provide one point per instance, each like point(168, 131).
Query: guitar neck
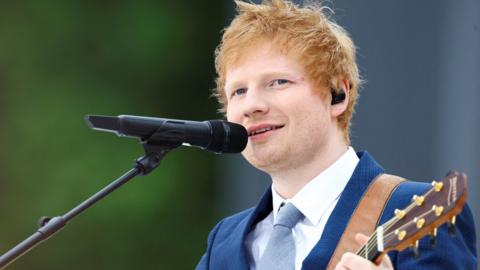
point(370, 250)
point(422, 217)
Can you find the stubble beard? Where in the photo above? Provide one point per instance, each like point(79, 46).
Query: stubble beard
point(288, 155)
point(276, 157)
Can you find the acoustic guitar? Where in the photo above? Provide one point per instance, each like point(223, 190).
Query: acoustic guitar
point(422, 217)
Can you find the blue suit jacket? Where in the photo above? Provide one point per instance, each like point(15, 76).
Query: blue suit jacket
point(226, 248)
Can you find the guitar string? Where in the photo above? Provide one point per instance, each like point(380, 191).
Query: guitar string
point(373, 238)
point(372, 242)
point(408, 223)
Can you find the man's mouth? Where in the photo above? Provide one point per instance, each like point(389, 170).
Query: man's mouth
point(263, 129)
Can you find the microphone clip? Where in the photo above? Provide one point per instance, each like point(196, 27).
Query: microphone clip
point(154, 153)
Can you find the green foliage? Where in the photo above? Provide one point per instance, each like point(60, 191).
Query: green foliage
point(61, 60)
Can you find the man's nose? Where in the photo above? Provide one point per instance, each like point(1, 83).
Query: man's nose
point(255, 103)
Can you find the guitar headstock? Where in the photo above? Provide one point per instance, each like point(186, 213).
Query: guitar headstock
point(426, 213)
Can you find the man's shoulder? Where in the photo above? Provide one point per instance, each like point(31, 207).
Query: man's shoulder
point(225, 240)
point(232, 223)
point(238, 217)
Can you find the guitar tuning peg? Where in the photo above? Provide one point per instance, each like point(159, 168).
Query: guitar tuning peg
point(433, 238)
point(416, 250)
point(433, 241)
point(418, 200)
point(451, 227)
point(437, 186)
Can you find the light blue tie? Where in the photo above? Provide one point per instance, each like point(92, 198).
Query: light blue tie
point(280, 251)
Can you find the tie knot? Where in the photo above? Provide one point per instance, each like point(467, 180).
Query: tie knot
point(288, 216)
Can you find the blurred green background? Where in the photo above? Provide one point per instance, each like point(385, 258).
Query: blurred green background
point(61, 60)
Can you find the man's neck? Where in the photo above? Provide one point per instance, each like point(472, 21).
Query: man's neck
point(289, 182)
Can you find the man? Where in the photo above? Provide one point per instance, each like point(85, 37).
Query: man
point(288, 74)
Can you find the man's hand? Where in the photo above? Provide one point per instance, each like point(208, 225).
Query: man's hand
point(352, 261)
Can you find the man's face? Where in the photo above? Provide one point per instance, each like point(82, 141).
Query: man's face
point(288, 124)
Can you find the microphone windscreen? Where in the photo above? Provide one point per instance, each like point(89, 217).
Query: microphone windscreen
point(227, 137)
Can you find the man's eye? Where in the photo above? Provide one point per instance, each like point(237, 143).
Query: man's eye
point(240, 91)
point(278, 82)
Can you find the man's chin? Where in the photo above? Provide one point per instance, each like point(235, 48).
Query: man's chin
point(264, 161)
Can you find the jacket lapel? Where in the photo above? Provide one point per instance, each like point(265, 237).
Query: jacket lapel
point(366, 170)
point(234, 253)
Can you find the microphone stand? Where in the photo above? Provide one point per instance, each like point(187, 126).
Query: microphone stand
point(154, 153)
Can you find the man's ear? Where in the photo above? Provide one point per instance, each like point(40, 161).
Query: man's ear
point(340, 98)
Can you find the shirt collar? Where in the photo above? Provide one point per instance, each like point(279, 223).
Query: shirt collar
point(323, 190)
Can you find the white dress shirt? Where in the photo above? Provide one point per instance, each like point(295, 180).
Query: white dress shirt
point(316, 200)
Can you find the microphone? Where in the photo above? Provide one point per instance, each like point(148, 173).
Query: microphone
point(214, 135)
